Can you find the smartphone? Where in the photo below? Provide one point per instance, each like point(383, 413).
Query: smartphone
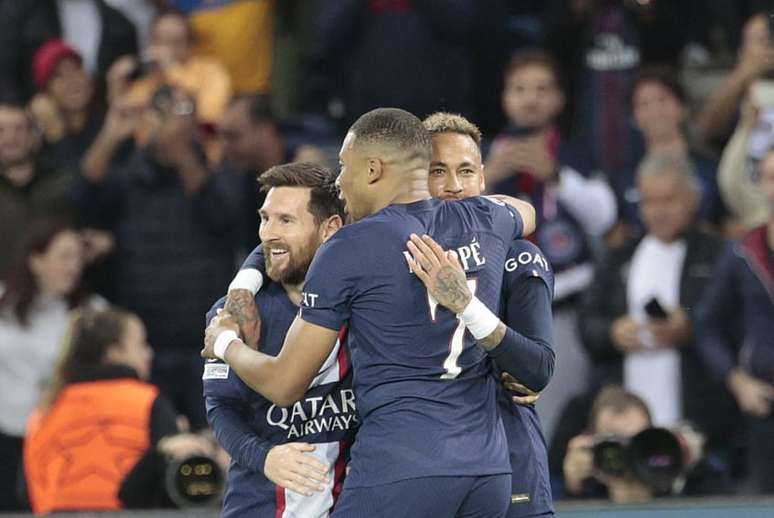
point(655, 310)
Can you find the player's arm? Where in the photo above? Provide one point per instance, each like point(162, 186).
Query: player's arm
point(525, 210)
point(282, 379)
point(227, 402)
point(240, 300)
point(529, 357)
point(526, 350)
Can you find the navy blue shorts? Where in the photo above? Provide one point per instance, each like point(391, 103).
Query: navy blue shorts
point(439, 497)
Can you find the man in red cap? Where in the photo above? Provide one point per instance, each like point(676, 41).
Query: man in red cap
point(62, 107)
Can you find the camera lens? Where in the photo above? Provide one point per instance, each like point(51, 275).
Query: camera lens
point(195, 481)
point(610, 456)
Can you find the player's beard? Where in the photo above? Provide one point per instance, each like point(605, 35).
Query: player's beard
point(297, 263)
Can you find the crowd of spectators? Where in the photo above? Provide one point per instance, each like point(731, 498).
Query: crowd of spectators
point(132, 133)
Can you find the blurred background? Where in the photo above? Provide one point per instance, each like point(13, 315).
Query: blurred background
point(132, 133)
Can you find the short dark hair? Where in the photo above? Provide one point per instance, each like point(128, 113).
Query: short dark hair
point(617, 399)
point(258, 108)
point(324, 199)
point(394, 128)
point(662, 75)
point(442, 122)
point(533, 57)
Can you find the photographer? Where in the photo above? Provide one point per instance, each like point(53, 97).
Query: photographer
point(612, 458)
point(98, 419)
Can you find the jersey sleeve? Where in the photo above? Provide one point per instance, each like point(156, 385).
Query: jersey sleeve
point(506, 220)
point(330, 282)
point(526, 261)
point(255, 261)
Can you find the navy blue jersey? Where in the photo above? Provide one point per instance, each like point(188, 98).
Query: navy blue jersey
point(425, 393)
point(247, 425)
point(531, 487)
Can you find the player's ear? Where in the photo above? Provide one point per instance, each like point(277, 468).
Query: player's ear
point(482, 180)
point(375, 170)
point(330, 226)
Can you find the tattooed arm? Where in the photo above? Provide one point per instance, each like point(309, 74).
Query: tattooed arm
point(446, 282)
point(525, 353)
point(240, 303)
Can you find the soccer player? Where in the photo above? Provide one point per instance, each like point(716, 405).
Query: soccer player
point(456, 172)
point(286, 461)
point(431, 442)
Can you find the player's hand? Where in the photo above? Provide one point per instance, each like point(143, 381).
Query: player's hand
point(753, 396)
point(525, 397)
point(440, 272)
point(578, 462)
point(223, 321)
point(240, 304)
point(290, 466)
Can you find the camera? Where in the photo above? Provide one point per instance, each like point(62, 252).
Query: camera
point(194, 481)
point(656, 457)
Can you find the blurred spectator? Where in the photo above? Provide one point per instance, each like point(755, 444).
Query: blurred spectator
point(65, 107)
point(169, 59)
point(530, 159)
point(40, 293)
point(739, 165)
point(171, 218)
point(618, 416)
point(635, 317)
point(98, 32)
point(602, 43)
point(31, 186)
point(659, 107)
point(428, 68)
point(140, 13)
point(755, 59)
point(98, 418)
point(735, 326)
point(252, 143)
point(239, 34)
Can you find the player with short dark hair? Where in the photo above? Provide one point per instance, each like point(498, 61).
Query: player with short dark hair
point(431, 439)
point(286, 461)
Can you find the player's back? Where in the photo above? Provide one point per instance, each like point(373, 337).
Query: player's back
point(426, 399)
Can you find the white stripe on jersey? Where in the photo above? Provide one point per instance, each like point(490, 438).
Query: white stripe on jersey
point(329, 372)
point(319, 504)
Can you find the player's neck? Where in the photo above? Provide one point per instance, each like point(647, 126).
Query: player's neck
point(294, 292)
point(412, 188)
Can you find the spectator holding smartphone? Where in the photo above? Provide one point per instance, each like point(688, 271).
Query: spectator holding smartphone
point(755, 58)
point(636, 317)
point(530, 159)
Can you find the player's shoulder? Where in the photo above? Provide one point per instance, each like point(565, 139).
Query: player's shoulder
point(525, 259)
